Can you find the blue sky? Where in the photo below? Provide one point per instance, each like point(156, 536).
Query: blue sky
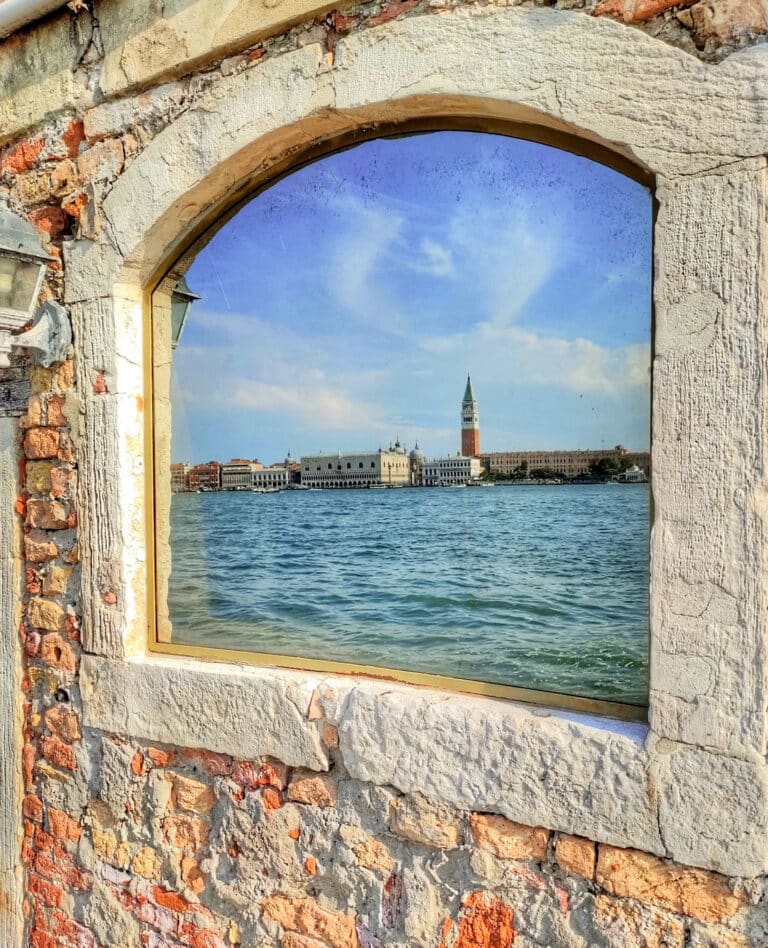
point(344, 306)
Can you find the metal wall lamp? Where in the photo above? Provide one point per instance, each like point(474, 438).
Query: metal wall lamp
point(22, 269)
point(182, 299)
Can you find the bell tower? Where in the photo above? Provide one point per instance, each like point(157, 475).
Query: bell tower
point(470, 423)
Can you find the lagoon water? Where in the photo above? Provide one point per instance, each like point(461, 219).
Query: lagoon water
point(535, 586)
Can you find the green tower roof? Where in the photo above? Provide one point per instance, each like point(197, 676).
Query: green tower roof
point(469, 395)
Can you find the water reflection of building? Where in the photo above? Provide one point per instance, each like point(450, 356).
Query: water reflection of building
point(380, 468)
point(451, 471)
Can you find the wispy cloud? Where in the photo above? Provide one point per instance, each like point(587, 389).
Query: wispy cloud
point(360, 291)
point(434, 258)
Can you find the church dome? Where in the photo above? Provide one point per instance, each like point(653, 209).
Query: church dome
point(417, 454)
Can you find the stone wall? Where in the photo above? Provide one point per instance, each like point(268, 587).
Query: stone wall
point(130, 843)
point(173, 846)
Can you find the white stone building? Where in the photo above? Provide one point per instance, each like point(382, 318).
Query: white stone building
point(380, 468)
point(270, 477)
point(451, 471)
point(237, 475)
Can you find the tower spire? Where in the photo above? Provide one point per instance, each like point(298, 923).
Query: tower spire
point(470, 422)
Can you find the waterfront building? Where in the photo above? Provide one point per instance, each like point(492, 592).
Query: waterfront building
point(179, 477)
point(238, 474)
point(568, 464)
point(633, 475)
point(277, 476)
point(205, 476)
point(390, 468)
point(453, 471)
point(470, 423)
point(416, 461)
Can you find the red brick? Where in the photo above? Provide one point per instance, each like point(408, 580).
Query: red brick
point(50, 220)
point(391, 11)
point(63, 826)
point(57, 653)
point(484, 922)
point(62, 479)
point(39, 550)
point(63, 723)
point(271, 799)
point(33, 808)
point(637, 11)
point(58, 753)
point(46, 892)
point(28, 756)
point(47, 515)
point(41, 443)
point(170, 900)
point(57, 865)
point(71, 138)
point(76, 205)
point(342, 23)
point(22, 157)
point(216, 765)
point(69, 934)
point(56, 416)
point(41, 939)
point(32, 640)
point(201, 937)
point(159, 758)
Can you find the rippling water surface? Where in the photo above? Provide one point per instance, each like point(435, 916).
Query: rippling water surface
point(540, 587)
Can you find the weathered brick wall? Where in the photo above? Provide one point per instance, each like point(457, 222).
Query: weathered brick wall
point(135, 845)
point(174, 846)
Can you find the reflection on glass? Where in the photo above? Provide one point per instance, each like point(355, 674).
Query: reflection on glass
point(410, 419)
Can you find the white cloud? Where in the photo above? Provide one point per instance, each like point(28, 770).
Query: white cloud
point(530, 358)
point(319, 404)
point(435, 259)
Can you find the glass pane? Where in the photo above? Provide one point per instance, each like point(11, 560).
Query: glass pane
point(410, 419)
point(18, 281)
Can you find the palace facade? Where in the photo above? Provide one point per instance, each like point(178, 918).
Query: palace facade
point(380, 468)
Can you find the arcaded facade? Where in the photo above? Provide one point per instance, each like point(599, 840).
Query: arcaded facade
point(152, 799)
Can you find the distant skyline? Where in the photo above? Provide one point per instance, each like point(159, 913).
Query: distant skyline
point(344, 306)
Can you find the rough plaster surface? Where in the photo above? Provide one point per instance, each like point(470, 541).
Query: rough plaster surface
point(616, 87)
point(143, 42)
point(243, 712)
point(589, 777)
point(700, 129)
point(10, 681)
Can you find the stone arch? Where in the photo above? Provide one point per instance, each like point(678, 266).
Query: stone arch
point(699, 132)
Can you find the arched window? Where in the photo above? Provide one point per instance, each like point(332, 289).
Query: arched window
point(485, 296)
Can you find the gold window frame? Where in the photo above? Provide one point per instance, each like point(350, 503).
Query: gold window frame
point(157, 491)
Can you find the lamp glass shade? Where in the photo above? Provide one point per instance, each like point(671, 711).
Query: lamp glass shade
point(182, 299)
point(20, 281)
point(19, 284)
point(180, 306)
